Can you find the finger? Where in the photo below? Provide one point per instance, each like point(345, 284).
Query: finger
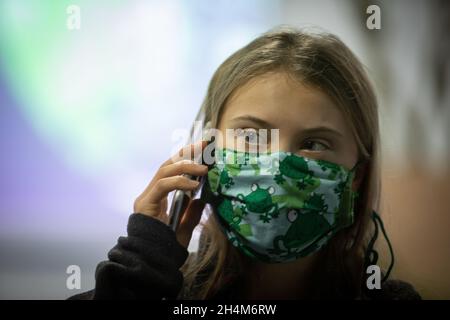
point(165, 185)
point(178, 168)
point(188, 152)
point(190, 220)
point(168, 163)
point(182, 167)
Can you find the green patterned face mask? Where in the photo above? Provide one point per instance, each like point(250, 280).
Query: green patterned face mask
point(279, 207)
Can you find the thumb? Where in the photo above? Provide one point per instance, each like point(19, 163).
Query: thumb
point(190, 220)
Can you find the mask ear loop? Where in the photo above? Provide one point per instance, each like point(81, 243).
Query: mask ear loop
point(371, 255)
point(377, 219)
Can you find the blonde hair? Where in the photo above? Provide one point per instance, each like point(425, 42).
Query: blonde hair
point(321, 60)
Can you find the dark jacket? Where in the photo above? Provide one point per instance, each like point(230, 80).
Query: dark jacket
point(146, 263)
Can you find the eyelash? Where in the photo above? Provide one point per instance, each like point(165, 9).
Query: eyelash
point(249, 130)
point(326, 147)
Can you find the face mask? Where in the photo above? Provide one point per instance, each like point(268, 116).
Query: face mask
point(278, 207)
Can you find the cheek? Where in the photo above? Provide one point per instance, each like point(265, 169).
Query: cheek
point(349, 159)
point(346, 154)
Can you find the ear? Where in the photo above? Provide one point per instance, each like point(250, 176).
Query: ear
point(359, 176)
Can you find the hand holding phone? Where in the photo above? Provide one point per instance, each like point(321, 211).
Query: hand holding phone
point(182, 198)
point(171, 176)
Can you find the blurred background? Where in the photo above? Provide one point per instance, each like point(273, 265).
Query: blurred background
point(87, 115)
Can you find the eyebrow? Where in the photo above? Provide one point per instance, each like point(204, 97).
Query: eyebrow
point(264, 124)
point(260, 122)
point(322, 129)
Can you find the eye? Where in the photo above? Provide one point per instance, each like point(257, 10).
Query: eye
point(247, 139)
point(314, 145)
point(249, 134)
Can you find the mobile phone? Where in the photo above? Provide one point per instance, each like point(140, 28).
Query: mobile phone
point(180, 202)
point(182, 198)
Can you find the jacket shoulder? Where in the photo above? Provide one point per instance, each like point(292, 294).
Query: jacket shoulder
point(88, 295)
point(395, 290)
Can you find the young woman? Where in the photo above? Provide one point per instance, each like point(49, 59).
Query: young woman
point(299, 229)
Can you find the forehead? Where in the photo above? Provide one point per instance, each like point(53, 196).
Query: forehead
point(283, 102)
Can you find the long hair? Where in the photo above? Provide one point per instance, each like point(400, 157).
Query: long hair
point(323, 61)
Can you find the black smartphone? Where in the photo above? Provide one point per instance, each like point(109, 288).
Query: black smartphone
point(181, 198)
